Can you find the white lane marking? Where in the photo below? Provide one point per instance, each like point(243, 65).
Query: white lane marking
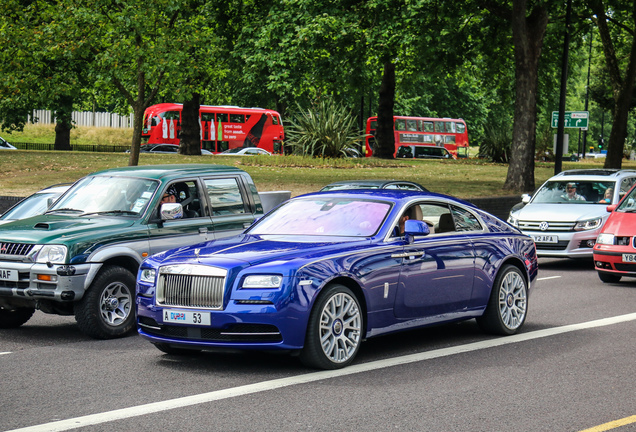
point(135, 411)
point(8, 352)
point(549, 277)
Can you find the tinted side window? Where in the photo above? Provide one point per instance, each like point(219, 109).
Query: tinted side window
point(225, 196)
point(465, 220)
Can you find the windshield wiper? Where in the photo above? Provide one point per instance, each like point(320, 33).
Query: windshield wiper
point(111, 212)
point(72, 210)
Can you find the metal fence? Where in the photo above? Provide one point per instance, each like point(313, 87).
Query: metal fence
point(86, 118)
point(74, 147)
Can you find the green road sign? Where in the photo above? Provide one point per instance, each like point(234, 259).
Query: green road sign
point(573, 119)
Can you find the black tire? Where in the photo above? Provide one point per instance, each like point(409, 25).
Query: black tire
point(14, 318)
point(508, 304)
point(334, 331)
point(163, 347)
point(107, 310)
point(609, 277)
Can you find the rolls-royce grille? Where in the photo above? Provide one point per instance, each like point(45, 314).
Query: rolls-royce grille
point(194, 286)
point(15, 249)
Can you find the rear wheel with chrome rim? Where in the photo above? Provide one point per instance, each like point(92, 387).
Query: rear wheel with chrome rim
point(334, 331)
point(508, 304)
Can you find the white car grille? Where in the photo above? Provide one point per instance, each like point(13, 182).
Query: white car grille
point(541, 226)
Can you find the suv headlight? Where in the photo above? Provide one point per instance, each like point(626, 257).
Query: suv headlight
point(55, 254)
point(513, 221)
point(604, 238)
point(588, 224)
point(262, 281)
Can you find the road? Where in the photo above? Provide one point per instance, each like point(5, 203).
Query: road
point(572, 368)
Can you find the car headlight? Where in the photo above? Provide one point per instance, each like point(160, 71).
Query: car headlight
point(147, 275)
point(604, 238)
point(262, 281)
point(55, 254)
point(513, 221)
point(588, 224)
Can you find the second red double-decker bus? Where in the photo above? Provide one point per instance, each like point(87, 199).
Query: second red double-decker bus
point(412, 132)
point(222, 127)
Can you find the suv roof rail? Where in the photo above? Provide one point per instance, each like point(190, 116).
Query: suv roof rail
point(595, 171)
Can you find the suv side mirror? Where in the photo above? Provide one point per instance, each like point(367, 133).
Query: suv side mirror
point(171, 211)
point(525, 198)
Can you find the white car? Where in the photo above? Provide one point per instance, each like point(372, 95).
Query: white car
point(34, 204)
point(568, 211)
point(246, 151)
point(4, 145)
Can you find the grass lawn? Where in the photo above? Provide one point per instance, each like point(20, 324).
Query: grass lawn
point(23, 172)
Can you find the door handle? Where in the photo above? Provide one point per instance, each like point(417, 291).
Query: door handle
point(408, 254)
point(203, 230)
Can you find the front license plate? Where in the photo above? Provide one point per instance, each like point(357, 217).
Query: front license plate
point(630, 258)
point(186, 317)
point(8, 275)
point(545, 239)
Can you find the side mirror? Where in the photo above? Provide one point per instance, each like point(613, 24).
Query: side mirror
point(611, 208)
point(414, 228)
point(171, 211)
point(525, 198)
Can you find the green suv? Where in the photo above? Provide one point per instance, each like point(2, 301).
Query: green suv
point(81, 257)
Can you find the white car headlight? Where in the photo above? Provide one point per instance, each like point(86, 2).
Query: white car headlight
point(262, 281)
point(604, 238)
point(55, 254)
point(147, 275)
point(513, 221)
point(588, 224)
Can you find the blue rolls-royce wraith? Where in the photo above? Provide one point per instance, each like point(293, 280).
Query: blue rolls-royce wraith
point(324, 271)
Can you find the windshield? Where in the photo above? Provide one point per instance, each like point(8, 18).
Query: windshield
point(575, 192)
point(325, 217)
point(628, 204)
point(34, 205)
point(107, 194)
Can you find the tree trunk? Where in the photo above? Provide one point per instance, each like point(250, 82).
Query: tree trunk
point(63, 123)
point(190, 127)
point(527, 33)
point(622, 87)
point(138, 124)
point(384, 145)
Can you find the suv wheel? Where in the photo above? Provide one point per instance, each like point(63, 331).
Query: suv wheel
point(107, 309)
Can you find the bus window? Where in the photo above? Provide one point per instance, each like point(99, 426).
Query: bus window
point(439, 126)
point(461, 127)
point(223, 117)
point(400, 124)
point(427, 126)
point(449, 139)
point(237, 118)
point(274, 120)
point(373, 126)
point(411, 125)
point(428, 138)
point(207, 117)
point(450, 127)
point(222, 146)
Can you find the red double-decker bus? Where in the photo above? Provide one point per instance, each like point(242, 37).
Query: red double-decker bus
point(222, 127)
point(410, 132)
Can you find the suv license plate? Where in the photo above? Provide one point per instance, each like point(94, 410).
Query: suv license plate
point(186, 317)
point(629, 258)
point(8, 275)
point(545, 239)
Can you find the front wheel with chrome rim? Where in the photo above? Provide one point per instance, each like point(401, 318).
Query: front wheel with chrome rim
point(334, 332)
point(508, 304)
point(107, 309)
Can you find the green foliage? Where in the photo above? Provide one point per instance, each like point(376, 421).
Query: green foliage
point(327, 130)
point(497, 141)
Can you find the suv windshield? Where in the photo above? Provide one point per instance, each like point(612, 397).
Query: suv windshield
point(575, 192)
point(107, 194)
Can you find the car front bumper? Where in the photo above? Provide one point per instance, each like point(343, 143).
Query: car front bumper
point(569, 244)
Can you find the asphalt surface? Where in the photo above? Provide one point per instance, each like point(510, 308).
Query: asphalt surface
point(552, 377)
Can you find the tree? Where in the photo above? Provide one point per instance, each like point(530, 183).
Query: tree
point(620, 16)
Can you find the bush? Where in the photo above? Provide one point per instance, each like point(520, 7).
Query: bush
point(327, 130)
point(497, 142)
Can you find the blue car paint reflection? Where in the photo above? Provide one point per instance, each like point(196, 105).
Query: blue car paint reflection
point(349, 240)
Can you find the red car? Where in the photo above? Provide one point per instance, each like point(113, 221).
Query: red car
point(615, 248)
